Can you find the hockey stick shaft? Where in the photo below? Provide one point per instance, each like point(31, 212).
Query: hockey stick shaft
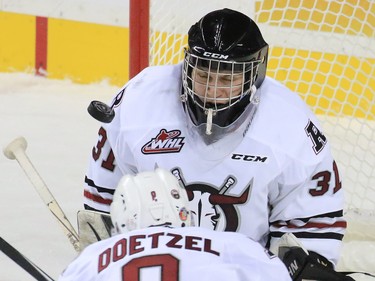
point(23, 262)
point(17, 150)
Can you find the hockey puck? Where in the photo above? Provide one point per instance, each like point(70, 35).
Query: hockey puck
point(101, 111)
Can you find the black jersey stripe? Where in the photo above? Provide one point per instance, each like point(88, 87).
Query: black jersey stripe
point(326, 235)
point(336, 214)
point(100, 189)
point(87, 207)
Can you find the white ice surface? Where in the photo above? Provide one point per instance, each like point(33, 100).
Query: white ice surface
point(52, 116)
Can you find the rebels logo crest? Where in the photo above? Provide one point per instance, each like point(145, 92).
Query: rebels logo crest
point(211, 207)
point(164, 142)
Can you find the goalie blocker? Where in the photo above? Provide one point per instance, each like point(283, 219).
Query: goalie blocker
point(304, 265)
point(312, 266)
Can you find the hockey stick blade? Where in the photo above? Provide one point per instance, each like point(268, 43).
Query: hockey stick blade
point(17, 150)
point(23, 262)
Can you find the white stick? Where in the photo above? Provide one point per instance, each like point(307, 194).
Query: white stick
point(17, 150)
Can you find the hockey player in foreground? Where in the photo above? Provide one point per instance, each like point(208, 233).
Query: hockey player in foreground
point(150, 213)
point(250, 153)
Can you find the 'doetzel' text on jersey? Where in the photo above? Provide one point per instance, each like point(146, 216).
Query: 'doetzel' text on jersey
point(189, 253)
point(280, 178)
point(134, 244)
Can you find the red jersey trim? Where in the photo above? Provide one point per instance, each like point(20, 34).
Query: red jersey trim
point(96, 198)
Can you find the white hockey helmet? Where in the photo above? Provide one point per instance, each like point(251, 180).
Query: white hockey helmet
point(149, 199)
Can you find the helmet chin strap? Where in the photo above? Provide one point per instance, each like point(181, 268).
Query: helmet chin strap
point(209, 121)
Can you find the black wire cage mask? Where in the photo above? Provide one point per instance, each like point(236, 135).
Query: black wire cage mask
point(226, 57)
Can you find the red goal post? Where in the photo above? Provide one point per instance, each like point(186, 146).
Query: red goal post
point(138, 35)
point(322, 49)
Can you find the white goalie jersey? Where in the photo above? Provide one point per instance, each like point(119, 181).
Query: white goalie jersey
point(191, 253)
point(280, 178)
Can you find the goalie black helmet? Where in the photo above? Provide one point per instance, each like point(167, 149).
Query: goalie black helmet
point(224, 64)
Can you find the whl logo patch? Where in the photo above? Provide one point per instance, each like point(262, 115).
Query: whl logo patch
point(164, 142)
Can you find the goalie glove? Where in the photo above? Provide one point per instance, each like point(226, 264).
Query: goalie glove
point(304, 265)
point(93, 226)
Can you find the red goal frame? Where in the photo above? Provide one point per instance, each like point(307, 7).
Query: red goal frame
point(139, 30)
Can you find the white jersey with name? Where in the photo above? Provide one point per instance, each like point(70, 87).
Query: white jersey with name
point(165, 254)
point(280, 178)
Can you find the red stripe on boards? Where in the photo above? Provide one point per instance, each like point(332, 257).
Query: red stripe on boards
point(41, 46)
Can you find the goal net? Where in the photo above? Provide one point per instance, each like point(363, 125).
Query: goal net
point(322, 49)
